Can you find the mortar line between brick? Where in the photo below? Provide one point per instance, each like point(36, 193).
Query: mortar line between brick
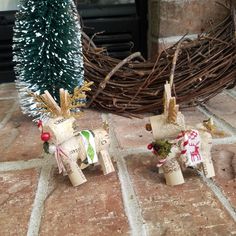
point(3, 85)
point(225, 140)
point(7, 98)
point(218, 121)
point(38, 205)
point(221, 197)
point(8, 115)
point(231, 93)
point(175, 39)
point(132, 208)
point(130, 201)
point(22, 165)
point(130, 151)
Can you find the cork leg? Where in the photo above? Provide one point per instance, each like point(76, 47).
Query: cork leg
point(105, 161)
point(173, 173)
point(75, 174)
point(160, 170)
point(206, 144)
point(208, 168)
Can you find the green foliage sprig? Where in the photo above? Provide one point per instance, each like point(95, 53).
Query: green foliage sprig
point(161, 148)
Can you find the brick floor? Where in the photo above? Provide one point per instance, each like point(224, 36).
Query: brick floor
point(133, 201)
point(8, 90)
point(20, 139)
point(193, 116)
point(17, 192)
point(4, 109)
point(181, 210)
point(223, 106)
point(131, 133)
point(224, 157)
point(95, 208)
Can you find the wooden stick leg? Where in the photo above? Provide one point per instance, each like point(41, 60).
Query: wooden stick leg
point(208, 168)
point(105, 161)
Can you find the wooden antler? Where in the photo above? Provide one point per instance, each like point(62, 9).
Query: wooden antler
point(46, 103)
point(65, 102)
point(173, 111)
point(77, 99)
point(170, 107)
point(69, 103)
point(50, 102)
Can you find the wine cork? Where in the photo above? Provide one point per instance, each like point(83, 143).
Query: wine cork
point(61, 129)
point(70, 151)
point(75, 149)
point(208, 168)
point(205, 149)
point(75, 174)
point(171, 168)
point(160, 170)
point(161, 129)
point(105, 161)
point(102, 139)
point(173, 173)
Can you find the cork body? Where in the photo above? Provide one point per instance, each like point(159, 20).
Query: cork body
point(73, 147)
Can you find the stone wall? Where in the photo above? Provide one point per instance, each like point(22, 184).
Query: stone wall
point(170, 19)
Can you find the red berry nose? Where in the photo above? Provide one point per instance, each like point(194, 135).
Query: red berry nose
point(45, 136)
point(150, 146)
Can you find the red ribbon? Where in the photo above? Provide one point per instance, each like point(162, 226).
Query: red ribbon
point(161, 162)
point(58, 155)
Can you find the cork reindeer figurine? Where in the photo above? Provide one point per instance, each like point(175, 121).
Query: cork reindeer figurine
point(74, 149)
point(177, 146)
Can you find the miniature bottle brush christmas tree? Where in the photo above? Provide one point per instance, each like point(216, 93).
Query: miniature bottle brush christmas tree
point(47, 50)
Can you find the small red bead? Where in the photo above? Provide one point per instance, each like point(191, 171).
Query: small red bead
point(45, 136)
point(150, 146)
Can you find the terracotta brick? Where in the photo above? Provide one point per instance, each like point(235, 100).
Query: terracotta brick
point(5, 106)
point(193, 116)
point(223, 106)
point(20, 139)
point(188, 209)
point(90, 119)
point(131, 133)
point(224, 157)
point(8, 90)
point(17, 192)
point(94, 208)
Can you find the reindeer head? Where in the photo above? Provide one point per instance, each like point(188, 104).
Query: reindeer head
point(60, 123)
